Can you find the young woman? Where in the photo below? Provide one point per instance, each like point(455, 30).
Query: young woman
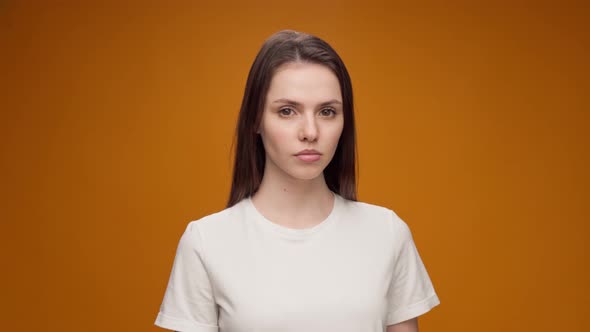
point(294, 251)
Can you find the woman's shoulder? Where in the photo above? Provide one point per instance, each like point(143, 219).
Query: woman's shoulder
point(384, 215)
point(367, 210)
point(220, 220)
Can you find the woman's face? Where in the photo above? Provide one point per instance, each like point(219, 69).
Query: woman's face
point(303, 110)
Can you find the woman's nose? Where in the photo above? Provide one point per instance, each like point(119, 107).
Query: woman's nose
point(309, 129)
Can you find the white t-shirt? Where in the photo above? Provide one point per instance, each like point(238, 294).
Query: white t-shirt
point(236, 271)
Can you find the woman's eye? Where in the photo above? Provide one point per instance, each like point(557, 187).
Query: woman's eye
point(328, 112)
point(285, 111)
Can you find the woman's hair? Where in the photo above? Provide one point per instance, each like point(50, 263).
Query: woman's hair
point(284, 47)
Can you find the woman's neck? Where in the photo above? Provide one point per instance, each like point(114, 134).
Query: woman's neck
point(293, 203)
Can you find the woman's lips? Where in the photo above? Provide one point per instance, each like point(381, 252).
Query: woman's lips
point(308, 157)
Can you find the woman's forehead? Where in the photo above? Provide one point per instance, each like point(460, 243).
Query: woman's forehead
point(304, 83)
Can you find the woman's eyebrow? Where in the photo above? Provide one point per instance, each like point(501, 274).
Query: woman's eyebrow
point(292, 102)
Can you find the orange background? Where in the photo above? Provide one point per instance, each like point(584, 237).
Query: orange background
point(117, 120)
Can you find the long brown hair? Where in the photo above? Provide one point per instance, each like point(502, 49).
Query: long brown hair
point(283, 47)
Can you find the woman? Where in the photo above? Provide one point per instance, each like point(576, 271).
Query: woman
point(294, 250)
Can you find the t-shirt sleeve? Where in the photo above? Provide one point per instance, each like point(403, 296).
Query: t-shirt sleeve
point(411, 292)
point(189, 304)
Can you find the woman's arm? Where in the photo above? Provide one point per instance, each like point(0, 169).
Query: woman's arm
point(410, 325)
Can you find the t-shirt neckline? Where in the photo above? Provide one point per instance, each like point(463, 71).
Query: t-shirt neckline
point(294, 233)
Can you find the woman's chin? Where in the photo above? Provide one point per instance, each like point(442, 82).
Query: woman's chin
point(308, 175)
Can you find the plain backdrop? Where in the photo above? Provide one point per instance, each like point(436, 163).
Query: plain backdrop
point(117, 120)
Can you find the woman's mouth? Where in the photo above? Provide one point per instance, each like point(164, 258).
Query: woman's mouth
point(308, 157)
